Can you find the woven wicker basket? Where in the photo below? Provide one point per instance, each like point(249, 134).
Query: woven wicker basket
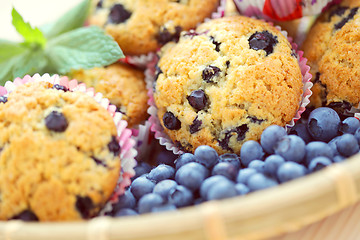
point(324, 205)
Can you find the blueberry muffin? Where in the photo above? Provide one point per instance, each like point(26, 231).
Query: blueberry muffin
point(123, 85)
point(142, 26)
point(59, 154)
point(333, 50)
point(225, 83)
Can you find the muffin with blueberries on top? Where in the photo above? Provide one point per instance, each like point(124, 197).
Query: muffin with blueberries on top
point(142, 26)
point(60, 157)
point(225, 83)
point(333, 50)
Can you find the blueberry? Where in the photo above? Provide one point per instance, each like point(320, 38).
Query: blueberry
point(270, 136)
point(99, 162)
point(347, 145)
point(323, 124)
point(217, 44)
point(27, 216)
point(209, 182)
point(99, 4)
point(230, 158)
point(56, 122)
point(164, 208)
point(164, 187)
point(272, 164)
point(240, 132)
point(140, 169)
point(341, 108)
point(3, 99)
point(263, 41)
point(221, 190)
point(260, 181)
point(317, 149)
point(357, 135)
point(209, 73)
point(250, 150)
point(206, 156)
point(118, 14)
point(225, 169)
point(191, 175)
point(125, 212)
point(245, 174)
point(258, 165)
point(291, 148)
point(333, 147)
point(114, 146)
point(60, 87)
point(338, 158)
point(301, 130)
point(180, 196)
point(161, 172)
point(171, 122)
point(241, 189)
point(349, 125)
point(184, 159)
point(290, 170)
point(164, 36)
point(351, 15)
point(198, 201)
point(127, 200)
point(166, 157)
point(149, 201)
point(84, 205)
point(195, 126)
point(339, 11)
point(141, 186)
point(197, 99)
point(255, 119)
point(319, 163)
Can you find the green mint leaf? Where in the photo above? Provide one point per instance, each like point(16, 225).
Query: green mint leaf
point(7, 67)
point(32, 62)
point(10, 49)
point(71, 20)
point(31, 35)
point(85, 48)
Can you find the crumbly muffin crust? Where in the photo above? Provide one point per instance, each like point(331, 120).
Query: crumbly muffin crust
point(59, 156)
point(333, 52)
point(123, 85)
point(225, 83)
point(142, 26)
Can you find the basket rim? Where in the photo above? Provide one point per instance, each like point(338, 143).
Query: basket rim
point(338, 184)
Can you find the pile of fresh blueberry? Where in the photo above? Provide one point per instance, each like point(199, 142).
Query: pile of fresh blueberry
point(194, 178)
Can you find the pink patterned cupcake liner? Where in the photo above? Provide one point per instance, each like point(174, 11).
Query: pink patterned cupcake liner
point(165, 140)
point(282, 10)
point(124, 135)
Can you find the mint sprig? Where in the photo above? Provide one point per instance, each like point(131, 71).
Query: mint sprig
point(58, 47)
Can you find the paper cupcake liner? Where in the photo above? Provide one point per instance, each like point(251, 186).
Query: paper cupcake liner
point(165, 140)
point(143, 60)
point(282, 10)
point(124, 135)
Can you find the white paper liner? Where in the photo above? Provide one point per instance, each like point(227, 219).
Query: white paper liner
point(282, 10)
point(165, 140)
point(124, 135)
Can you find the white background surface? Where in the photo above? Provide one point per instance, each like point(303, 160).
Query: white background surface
point(37, 12)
